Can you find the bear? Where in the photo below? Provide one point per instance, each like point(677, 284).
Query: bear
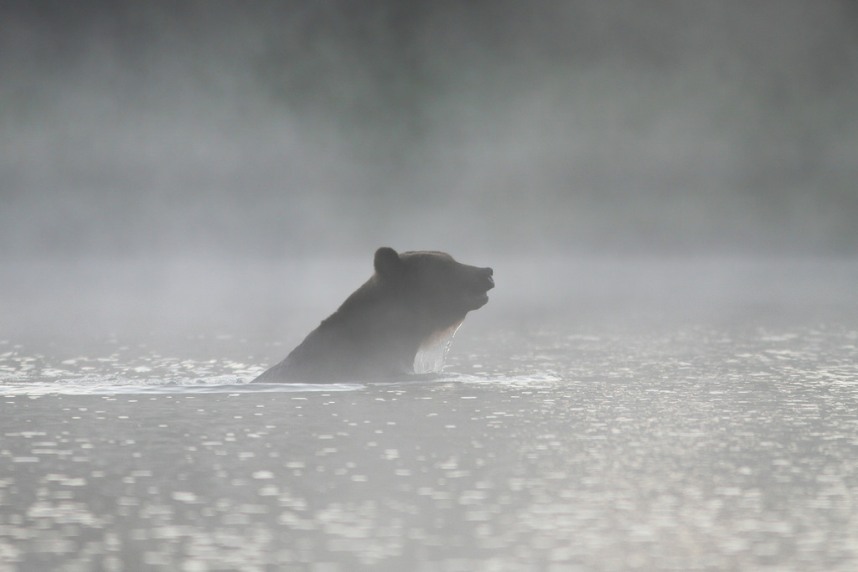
point(412, 299)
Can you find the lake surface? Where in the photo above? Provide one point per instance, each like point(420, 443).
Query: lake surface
point(726, 440)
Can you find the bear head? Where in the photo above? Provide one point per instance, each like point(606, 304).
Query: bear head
point(433, 285)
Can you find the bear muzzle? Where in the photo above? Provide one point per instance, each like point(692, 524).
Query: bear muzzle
point(484, 282)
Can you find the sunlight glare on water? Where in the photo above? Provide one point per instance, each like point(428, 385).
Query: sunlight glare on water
point(687, 448)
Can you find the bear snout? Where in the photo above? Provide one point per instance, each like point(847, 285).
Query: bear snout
point(488, 281)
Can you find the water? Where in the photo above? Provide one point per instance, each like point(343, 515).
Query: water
point(723, 438)
point(685, 448)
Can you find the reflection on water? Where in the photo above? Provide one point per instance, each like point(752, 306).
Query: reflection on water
point(686, 448)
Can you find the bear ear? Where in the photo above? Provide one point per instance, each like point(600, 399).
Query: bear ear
point(387, 261)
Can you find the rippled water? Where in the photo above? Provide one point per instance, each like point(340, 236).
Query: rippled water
point(679, 448)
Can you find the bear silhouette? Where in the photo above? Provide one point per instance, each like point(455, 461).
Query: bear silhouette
point(410, 300)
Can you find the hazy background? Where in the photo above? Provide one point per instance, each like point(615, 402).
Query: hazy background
point(157, 157)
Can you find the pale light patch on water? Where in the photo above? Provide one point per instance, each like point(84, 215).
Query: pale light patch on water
point(155, 388)
point(119, 373)
point(534, 378)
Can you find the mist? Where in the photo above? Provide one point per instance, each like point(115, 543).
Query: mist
point(197, 157)
point(665, 376)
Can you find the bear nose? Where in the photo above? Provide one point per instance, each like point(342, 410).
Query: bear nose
point(488, 272)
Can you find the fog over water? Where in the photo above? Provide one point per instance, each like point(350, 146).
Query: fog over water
point(184, 142)
point(294, 128)
point(665, 376)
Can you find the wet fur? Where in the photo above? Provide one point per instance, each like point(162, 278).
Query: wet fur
point(411, 299)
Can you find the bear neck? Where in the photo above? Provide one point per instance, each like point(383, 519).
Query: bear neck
point(380, 330)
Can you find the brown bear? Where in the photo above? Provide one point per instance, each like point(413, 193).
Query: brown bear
point(413, 298)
